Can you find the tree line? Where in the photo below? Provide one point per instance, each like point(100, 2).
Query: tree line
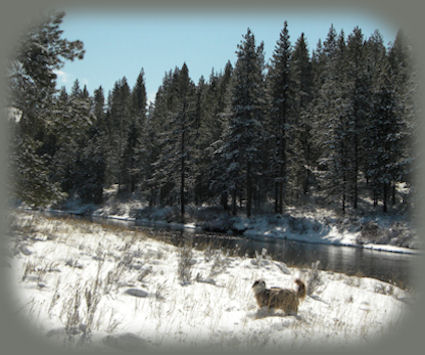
point(335, 123)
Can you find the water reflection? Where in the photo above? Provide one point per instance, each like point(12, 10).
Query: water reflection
point(386, 266)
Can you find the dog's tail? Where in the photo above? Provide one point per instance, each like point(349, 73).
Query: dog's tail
point(301, 291)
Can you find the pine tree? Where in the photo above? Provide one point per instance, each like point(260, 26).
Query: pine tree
point(92, 160)
point(405, 85)
point(148, 155)
point(184, 120)
point(319, 73)
point(120, 118)
point(360, 90)
point(32, 84)
point(99, 106)
point(158, 182)
point(133, 146)
point(243, 142)
point(175, 161)
point(108, 142)
point(218, 182)
point(73, 122)
point(64, 157)
point(318, 65)
point(375, 62)
point(210, 117)
point(201, 152)
point(280, 86)
point(300, 159)
point(388, 137)
point(333, 112)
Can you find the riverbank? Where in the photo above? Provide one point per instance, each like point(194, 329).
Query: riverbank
point(381, 232)
point(80, 283)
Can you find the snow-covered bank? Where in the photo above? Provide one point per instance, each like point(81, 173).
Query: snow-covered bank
point(325, 234)
point(78, 281)
point(377, 231)
point(321, 226)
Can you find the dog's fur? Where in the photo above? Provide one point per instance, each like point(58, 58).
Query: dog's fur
point(275, 297)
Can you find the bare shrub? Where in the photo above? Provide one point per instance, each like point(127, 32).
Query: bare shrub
point(55, 297)
point(353, 281)
point(208, 253)
point(126, 259)
point(145, 272)
point(52, 267)
point(372, 233)
point(113, 277)
point(39, 271)
point(112, 323)
point(159, 293)
point(297, 225)
point(384, 289)
point(185, 263)
point(92, 297)
point(313, 278)
point(74, 263)
point(100, 253)
point(80, 309)
point(219, 264)
point(73, 319)
point(29, 269)
point(199, 278)
point(261, 259)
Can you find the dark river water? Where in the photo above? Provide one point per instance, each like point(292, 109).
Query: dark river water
point(391, 267)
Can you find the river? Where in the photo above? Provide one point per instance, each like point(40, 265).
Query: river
point(391, 267)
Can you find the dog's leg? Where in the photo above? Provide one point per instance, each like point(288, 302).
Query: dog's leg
point(263, 312)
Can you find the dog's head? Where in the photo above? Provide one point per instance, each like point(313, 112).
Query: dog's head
point(259, 286)
point(299, 282)
point(301, 292)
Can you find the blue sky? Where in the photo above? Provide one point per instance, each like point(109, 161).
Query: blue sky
point(122, 44)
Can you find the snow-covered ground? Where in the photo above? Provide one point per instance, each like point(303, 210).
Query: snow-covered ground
point(385, 232)
point(82, 283)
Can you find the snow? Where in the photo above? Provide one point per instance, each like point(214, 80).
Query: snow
point(313, 225)
point(14, 114)
point(138, 298)
point(325, 235)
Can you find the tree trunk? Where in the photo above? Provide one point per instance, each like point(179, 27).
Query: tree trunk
point(356, 171)
point(375, 197)
point(280, 189)
point(248, 190)
point(384, 198)
point(306, 183)
point(393, 199)
point(182, 182)
point(132, 184)
point(280, 197)
point(276, 197)
point(234, 207)
point(151, 198)
point(344, 182)
point(223, 200)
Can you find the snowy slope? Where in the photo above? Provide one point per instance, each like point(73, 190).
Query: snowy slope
point(119, 289)
point(395, 233)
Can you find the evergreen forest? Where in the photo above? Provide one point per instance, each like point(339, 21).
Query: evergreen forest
point(331, 125)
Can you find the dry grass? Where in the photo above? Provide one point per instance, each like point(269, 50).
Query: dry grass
point(185, 263)
point(313, 278)
point(171, 308)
